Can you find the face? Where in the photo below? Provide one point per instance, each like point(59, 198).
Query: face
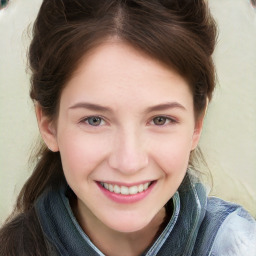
point(125, 130)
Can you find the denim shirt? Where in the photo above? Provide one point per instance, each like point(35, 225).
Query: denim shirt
point(199, 226)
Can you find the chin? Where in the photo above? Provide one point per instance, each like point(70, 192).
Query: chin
point(129, 224)
point(128, 228)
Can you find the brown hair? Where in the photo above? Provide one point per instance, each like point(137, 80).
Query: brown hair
point(180, 33)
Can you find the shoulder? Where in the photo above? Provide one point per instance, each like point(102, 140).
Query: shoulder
point(22, 236)
point(236, 233)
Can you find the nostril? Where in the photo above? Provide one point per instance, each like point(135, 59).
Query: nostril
point(3, 3)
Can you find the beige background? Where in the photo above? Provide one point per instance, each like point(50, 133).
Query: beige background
point(228, 141)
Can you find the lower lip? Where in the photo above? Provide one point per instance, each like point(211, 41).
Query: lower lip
point(126, 199)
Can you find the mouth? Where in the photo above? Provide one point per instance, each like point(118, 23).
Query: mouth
point(126, 190)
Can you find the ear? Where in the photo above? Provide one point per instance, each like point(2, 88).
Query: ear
point(198, 128)
point(47, 129)
point(197, 132)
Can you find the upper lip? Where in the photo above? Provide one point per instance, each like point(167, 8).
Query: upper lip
point(125, 184)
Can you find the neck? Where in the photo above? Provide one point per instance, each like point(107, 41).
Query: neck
point(112, 242)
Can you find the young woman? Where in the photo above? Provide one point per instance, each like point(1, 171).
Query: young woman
point(120, 90)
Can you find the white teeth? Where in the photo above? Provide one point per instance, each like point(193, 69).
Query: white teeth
point(133, 190)
point(125, 190)
point(110, 188)
point(145, 186)
point(117, 189)
point(141, 187)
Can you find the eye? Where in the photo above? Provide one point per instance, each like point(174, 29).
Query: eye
point(94, 121)
point(162, 120)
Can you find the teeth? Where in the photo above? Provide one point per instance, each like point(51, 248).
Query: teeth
point(145, 186)
point(125, 190)
point(133, 190)
point(141, 187)
point(117, 189)
point(110, 188)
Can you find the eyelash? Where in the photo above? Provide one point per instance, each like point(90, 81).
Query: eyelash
point(167, 120)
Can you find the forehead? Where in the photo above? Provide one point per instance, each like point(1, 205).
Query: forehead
point(117, 71)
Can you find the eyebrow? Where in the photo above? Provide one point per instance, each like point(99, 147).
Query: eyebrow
point(96, 107)
point(91, 106)
point(165, 106)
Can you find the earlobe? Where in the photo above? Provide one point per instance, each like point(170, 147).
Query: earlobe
point(47, 129)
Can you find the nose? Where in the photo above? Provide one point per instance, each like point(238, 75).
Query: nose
point(128, 154)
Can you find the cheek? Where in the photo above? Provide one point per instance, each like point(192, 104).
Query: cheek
point(81, 154)
point(172, 152)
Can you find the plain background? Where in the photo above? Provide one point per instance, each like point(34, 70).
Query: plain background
point(229, 136)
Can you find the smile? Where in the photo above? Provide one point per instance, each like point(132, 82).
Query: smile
point(133, 190)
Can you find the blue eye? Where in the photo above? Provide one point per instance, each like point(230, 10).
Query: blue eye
point(94, 120)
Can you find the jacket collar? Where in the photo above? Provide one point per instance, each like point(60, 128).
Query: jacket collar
point(193, 201)
point(178, 238)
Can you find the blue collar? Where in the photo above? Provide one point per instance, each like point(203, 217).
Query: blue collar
point(182, 236)
point(178, 238)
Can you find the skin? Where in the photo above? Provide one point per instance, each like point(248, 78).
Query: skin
point(128, 145)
